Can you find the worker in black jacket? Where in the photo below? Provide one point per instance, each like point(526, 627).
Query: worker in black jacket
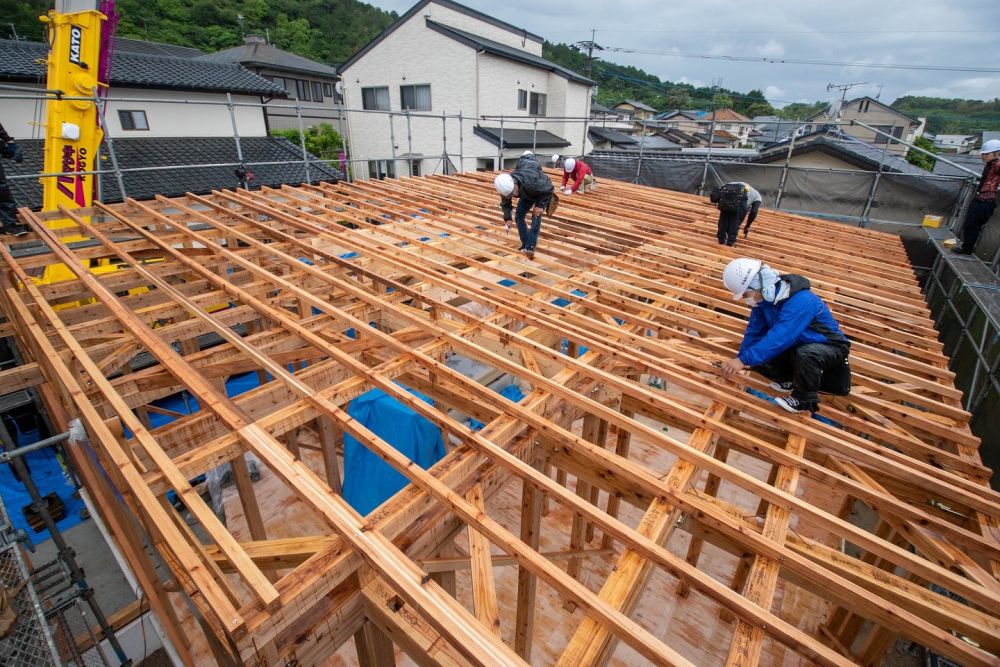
point(8, 209)
point(534, 191)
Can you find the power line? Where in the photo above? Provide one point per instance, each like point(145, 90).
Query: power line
point(796, 61)
point(786, 32)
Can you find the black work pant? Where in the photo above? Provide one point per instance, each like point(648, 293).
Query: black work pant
point(979, 214)
point(754, 207)
point(811, 368)
point(8, 209)
point(729, 225)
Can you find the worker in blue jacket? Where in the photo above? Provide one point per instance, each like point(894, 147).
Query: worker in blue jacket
point(791, 338)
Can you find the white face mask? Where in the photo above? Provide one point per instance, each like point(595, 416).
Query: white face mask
point(752, 302)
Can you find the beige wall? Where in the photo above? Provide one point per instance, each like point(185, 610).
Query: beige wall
point(876, 115)
point(455, 19)
point(818, 160)
point(24, 119)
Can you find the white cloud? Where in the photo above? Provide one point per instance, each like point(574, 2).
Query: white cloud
point(697, 83)
point(772, 49)
point(774, 92)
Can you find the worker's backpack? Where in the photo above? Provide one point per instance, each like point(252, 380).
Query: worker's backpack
point(730, 196)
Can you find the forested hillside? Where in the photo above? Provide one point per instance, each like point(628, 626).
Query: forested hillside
point(955, 116)
point(330, 31)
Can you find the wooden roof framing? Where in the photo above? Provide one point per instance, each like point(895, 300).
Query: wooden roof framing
point(865, 512)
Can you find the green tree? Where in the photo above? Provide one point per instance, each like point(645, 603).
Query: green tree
point(322, 140)
point(919, 159)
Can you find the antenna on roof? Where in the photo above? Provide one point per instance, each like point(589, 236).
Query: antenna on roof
point(843, 88)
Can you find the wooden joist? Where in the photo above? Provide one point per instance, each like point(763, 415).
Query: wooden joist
point(625, 286)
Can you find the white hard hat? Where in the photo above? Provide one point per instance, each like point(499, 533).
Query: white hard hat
point(991, 146)
point(555, 158)
point(738, 274)
point(570, 164)
point(504, 183)
point(526, 153)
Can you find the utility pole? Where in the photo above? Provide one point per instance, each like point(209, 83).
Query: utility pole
point(716, 84)
point(590, 46)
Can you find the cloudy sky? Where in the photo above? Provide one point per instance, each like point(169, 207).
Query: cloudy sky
point(905, 34)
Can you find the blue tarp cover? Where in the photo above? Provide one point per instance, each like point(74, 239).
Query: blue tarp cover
point(368, 480)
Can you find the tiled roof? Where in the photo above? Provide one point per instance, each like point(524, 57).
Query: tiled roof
point(513, 138)
point(128, 45)
point(25, 61)
point(603, 134)
point(638, 105)
point(845, 147)
point(727, 114)
point(504, 51)
point(165, 152)
point(419, 8)
point(261, 54)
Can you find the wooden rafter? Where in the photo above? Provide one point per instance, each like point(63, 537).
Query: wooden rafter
point(625, 286)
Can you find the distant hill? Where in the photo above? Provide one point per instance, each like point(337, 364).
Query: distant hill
point(954, 116)
point(328, 31)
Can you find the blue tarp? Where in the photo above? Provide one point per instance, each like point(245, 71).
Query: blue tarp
point(47, 474)
point(510, 392)
point(368, 480)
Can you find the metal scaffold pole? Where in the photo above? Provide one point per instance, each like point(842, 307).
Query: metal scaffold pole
point(461, 145)
point(409, 140)
point(500, 146)
point(109, 140)
point(392, 144)
point(302, 144)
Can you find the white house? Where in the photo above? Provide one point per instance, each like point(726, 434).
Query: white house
point(442, 59)
point(960, 143)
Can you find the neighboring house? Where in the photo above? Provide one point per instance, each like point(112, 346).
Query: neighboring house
point(955, 143)
point(772, 129)
point(440, 59)
point(873, 113)
point(836, 150)
point(165, 122)
point(160, 89)
point(972, 162)
point(729, 123)
point(677, 119)
point(605, 138)
point(308, 83)
point(681, 138)
point(635, 110)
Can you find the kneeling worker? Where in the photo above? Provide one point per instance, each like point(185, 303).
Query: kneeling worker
point(534, 191)
point(582, 175)
point(791, 337)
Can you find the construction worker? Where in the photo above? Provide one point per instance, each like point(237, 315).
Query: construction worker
point(8, 208)
point(753, 203)
point(734, 200)
point(791, 337)
point(555, 160)
point(534, 191)
point(982, 207)
point(581, 173)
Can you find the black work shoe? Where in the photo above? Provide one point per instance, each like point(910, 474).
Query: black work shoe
point(785, 387)
point(530, 253)
point(793, 404)
point(521, 249)
point(15, 229)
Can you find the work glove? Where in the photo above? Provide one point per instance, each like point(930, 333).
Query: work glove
point(567, 192)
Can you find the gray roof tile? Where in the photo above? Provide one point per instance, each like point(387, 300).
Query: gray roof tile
point(260, 54)
point(168, 152)
point(25, 61)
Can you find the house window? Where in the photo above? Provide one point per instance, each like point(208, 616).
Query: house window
point(381, 169)
point(522, 99)
point(327, 90)
point(416, 97)
point(415, 169)
point(536, 106)
point(317, 91)
point(375, 98)
point(895, 131)
point(302, 90)
point(133, 120)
